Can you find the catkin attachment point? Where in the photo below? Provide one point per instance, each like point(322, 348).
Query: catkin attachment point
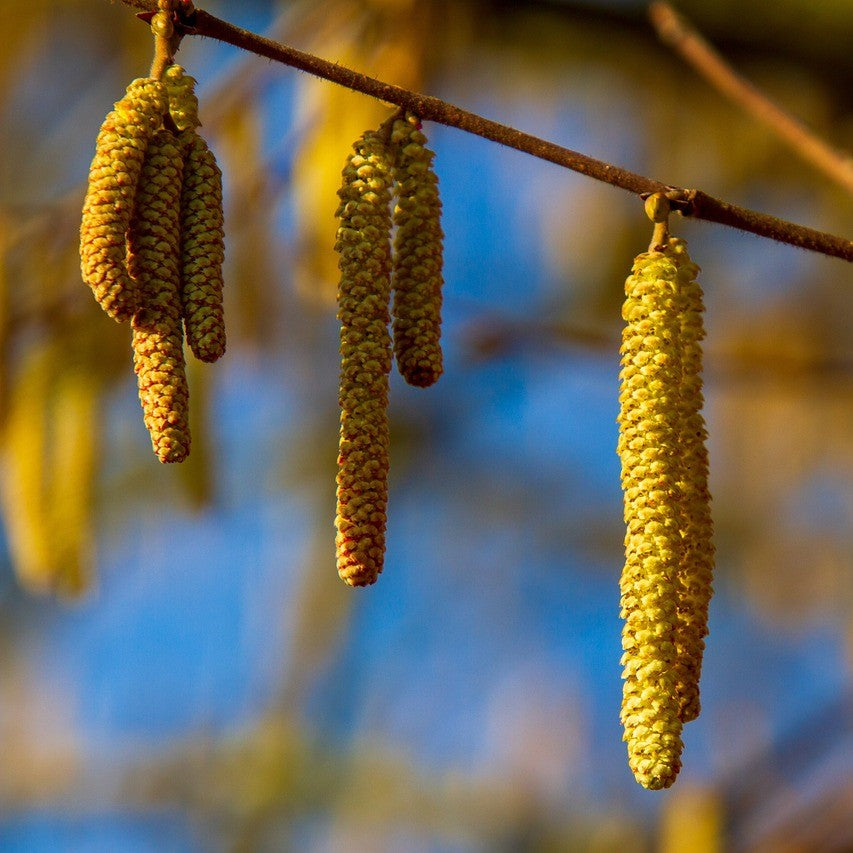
point(657, 209)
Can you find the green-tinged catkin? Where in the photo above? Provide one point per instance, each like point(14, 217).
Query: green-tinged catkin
point(202, 250)
point(158, 341)
point(183, 104)
point(697, 566)
point(364, 244)
point(417, 264)
point(110, 198)
point(649, 435)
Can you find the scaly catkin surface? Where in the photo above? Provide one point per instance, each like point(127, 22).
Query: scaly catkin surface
point(697, 566)
point(109, 204)
point(417, 264)
point(183, 104)
point(202, 250)
point(364, 292)
point(158, 341)
point(650, 422)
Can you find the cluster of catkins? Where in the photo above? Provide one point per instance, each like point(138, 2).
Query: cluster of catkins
point(151, 244)
point(669, 553)
point(407, 279)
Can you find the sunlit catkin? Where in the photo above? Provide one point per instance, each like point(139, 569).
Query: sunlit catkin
point(697, 566)
point(649, 435)
point(158, 342)
point(202, 250)
point(417, 265)
point(110, 198)
point(183, 104)
point(363, 242)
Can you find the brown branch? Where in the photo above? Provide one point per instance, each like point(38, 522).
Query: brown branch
point(689, 202)
point(681, 36)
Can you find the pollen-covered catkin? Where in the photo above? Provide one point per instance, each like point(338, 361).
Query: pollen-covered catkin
point(202, 250)
point(364, 244)
point(183, 104)
point(697, 566)
point(110, 198)
point(649, 433)
point(417, 265)
point(158, 341)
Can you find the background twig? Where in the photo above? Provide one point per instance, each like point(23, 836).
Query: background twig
point(683, 38)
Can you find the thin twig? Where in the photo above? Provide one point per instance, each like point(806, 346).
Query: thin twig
point(689, 202)
point(685, 40)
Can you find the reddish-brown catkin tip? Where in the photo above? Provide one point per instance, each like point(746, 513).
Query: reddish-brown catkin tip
point(202, 250)
point(158, 341)
point(697, 565)
point(417, 265)
point(364, 292)
point(110, 198)
point(650, 421)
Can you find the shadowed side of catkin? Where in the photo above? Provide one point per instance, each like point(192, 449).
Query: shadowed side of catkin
point(649, 430)
point(158, 341)
point(110, 197)
point(417, 276)
point(697, 567)
point(202, 250)
point(363, 242)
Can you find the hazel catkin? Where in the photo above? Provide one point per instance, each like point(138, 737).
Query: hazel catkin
point(363, 241)
point(649, 434)
point(417, 264)
point(110, 198)
point(202, 250)
point(697, 563)
point(183, 104)
point(158, 341)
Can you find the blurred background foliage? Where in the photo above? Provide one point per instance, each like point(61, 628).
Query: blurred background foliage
point(201, 679)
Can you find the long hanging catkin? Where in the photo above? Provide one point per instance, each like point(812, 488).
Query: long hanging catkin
point(363, 242)
point(650, 423)
point(697, 566)
point(110, 198)
point(158, 340)
point(417, 265)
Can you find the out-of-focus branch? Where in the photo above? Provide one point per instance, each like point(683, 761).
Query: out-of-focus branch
point(675, 31)
point(689, 202)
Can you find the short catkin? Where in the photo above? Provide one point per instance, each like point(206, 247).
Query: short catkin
point(158, 341)
point(417, 264)
point(650, 424)
point(364, 244)
point(183, 104)
point(110, 198)
point(697, 566)
point(202, 250)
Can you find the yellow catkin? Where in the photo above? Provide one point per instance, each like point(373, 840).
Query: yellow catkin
point(110, 198)
point(158, 341)
point(363, 242)
point(417, 265)
point(202, 250)
point(650, 425)
point(183, 104)
point(697, 567)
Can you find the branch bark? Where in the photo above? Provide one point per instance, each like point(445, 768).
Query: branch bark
point(690, 202)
